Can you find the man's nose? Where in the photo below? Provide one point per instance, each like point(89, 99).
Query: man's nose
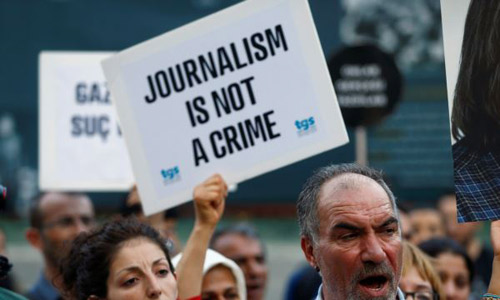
point(255, 268)
point(81, 226)
point(372, 250)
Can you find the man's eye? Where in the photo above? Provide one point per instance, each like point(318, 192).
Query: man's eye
point(66, 222)
point(87, 220)
point(350, 236)
point(231, 295)
point(260, 259)
point(390, 230)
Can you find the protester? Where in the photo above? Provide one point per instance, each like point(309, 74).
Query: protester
point(241, 244)
point(127, 259)
point(476, 114)
point(124, 259)
point(222, 278)
point(303, 284)
point(406, 227)
point(494, 287)
point(419, 278)
point(426, 223)
point(350, 233)
point(466, 235)
point(454, 266)
point(6, 282)
point(5, 267)
point(55, 221)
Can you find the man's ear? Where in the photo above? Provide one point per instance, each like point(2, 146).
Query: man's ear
point(34, 237)
point(307, 248)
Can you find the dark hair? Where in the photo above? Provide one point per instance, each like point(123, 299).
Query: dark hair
point(307, 203)
point(36, 214)
point(86, 268)
point(5, 267)
point(135, 209)
point(476, 108)
point(243, 229)
point(437, 246)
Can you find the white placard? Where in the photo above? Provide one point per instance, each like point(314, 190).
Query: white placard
point(241, 92)
point(81, 146)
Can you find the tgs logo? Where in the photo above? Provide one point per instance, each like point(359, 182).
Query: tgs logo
point(171, 175)
point(305, 126)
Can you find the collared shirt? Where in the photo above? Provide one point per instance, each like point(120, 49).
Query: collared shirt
point(477, 183)
point(401, 296)
point(43, 290)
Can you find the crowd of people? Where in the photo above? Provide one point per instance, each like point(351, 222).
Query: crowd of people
point(357, 241)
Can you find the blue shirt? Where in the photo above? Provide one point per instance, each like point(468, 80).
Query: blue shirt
point(43, 290)
point(401, 296)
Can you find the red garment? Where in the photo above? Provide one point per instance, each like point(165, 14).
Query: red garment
point(195, 298)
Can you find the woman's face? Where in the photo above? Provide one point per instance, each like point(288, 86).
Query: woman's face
point(219, 284)
point(412, 283)
point(140, 270)
point(454, 275)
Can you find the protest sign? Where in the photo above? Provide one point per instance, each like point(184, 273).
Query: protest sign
point(368, 84)
point(241, 92)
point(81, 146)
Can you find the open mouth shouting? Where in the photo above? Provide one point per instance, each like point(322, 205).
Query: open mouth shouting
point(375, 285)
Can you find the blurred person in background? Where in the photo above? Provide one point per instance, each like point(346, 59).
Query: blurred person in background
point(303, 284)
point(6, 294)
point(426, 223)
point(222, 278)
point(466, 235)
point(494, 286)
point(454, 267)
point(242, 244)
point(7, 281)
point(55, 221)
point(405, 222)
point(165, 222)
point(419, 278)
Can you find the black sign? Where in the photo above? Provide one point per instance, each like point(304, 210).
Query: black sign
point(367, 82)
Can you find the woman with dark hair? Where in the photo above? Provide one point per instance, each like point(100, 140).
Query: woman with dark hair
point(453, 265)
point(476, 115)
point(127, 259)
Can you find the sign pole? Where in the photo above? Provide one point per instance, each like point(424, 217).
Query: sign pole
point(361, 146)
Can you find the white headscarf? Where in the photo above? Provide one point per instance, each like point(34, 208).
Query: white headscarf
point(213, 259)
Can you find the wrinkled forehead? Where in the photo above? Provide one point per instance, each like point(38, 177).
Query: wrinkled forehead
point(353, 191)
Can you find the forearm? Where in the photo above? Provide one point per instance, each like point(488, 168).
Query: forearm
point(190, 267)
point(494, 287)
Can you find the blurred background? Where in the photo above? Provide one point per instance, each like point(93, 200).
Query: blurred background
point(411, 143)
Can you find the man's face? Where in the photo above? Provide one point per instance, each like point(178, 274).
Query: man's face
point(461, 232)
point(358, 248)
point(249, 256)
point(63, 218)
point(426, 223)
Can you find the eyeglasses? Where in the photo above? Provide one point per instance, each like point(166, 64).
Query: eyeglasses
point(423, 295)
point(66, 222)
